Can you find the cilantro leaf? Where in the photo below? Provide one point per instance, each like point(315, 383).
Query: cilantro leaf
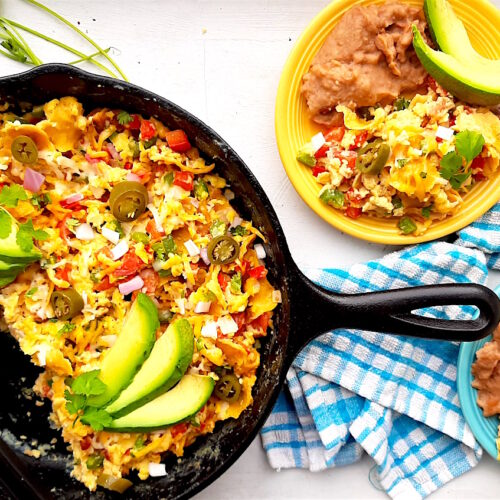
point(88, 384)
point(74, 402)
point(10, 195)
point(458, 179)
point(5, 224)
point(27, 233)
point(426, 211)
point(238, 231)
point(96, 418)
point(124, 118)
point(450, 165)
point(469, 144)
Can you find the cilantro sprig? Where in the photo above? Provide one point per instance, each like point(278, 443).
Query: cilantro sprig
point(27, 233)
point(455, 164)
point(11, 195)
point(85, 385)
point(123, 118)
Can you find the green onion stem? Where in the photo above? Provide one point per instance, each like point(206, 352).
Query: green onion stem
point(63, 46)
point(89, 57)
point(10, 56)
point(22, 43)
point(101, 51)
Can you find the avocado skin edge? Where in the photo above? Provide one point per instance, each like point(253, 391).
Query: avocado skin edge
point(458, 88)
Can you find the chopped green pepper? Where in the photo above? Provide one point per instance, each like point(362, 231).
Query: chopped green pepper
point(332, 197)
point(201, 190)
point(407, 225)
point(140, 237)
point(95, 461)
point(218, 229)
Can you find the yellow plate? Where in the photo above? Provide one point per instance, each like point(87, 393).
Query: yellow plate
point(294, 127)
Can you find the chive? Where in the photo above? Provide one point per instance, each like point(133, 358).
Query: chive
point(72, 26)
point(140, 237)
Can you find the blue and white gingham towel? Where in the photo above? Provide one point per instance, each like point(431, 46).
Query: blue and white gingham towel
point(352, 391)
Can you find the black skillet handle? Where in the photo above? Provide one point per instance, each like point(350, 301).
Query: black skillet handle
point(316, 310)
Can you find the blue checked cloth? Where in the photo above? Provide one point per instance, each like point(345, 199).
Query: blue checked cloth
point(395, 398)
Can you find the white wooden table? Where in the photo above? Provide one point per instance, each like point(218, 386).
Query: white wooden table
point(222, 60)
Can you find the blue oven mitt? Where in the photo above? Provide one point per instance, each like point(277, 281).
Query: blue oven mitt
point(352, 391)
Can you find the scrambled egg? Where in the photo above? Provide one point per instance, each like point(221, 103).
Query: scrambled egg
point(81, 158)
point(413, 186)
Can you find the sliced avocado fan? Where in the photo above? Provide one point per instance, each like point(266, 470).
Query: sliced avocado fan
point(464, 80)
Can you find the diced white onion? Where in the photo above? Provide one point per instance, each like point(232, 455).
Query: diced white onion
point(260, 251)
point(276, 296)
point(444, 133)
point(42, 354)
point(195, 203)
point(418, 152)
point(119, 250)
point(192, 248)
point(229, 195)
point(209, 330)
point(236, 222)
point(158, 265)
point(136, 283)
point(85, 298)
point(156, 217)
point(227, 325)
point(156, 470)
point(202, 307)
point(84, 232)
point(181, 305)
point(111, 235)
point(317, 141)
point(204, 256)
point(109, 340)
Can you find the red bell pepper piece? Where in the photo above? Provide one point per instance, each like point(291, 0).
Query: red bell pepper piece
point(178, 141)
point(258, 272)
point(318, 169)
point(185, 180)
point(353, 212)
point(360, 139)
point(223, 280)
point(321, 153)
point(135, 124)
point(148, 130)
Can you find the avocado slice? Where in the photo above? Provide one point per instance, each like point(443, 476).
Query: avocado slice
point(165, 366)
point(10, 251)
point(11, 268)
point(306, 155)
point(7, 280)
point(450, 35)
point(473, 84)
point(176, 405)
point(130, 349)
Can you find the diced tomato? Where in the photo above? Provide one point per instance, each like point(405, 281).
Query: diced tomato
point(148, 130)
point(153, 231)
point(431, 82)
point(336, 134)
point(452, 120)
point(184, 180)
point(62, 273)
point(258, 272)
point(63, 228)
point(360, 139)
point(352, 197)
point(179, 429)
point(223, 280)
point(178, 141)
point(261, 322)
point(107, 455)
point(321, 153)
point(478, 164)
point(318, 169)
point(239, 319)
point(151, 280)
point(128, 166)
point(353, 212)
point(135, 124)
point(85, 443)
point(104, 284)
point(127, 453)
point(131, 265)
point(438, 139)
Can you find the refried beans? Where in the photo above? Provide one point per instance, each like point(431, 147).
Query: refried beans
point(486, 372)
point(367, 59)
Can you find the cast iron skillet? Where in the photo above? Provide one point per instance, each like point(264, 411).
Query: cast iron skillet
point(306, 312)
